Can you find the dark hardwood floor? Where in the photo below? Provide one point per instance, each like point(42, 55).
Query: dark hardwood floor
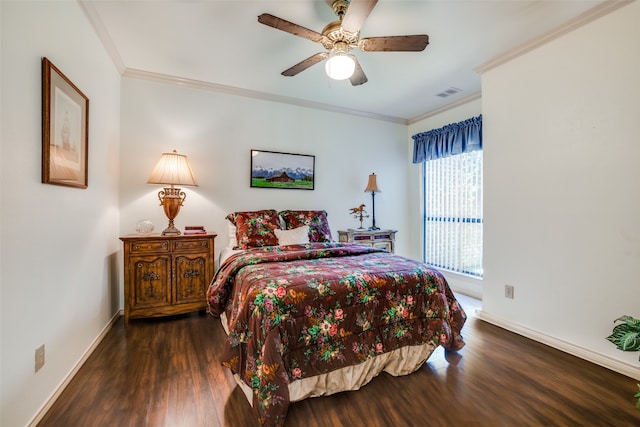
point(166, 372)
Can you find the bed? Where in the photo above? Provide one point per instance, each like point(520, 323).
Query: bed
point(306, 316)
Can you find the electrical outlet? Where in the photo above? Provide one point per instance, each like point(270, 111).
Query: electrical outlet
point(39, 357)
point(508, 291)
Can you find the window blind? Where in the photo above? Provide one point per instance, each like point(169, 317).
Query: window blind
point(453, 213)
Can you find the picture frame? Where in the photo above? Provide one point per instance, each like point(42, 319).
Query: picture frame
point(273, 169)
point(65, 130)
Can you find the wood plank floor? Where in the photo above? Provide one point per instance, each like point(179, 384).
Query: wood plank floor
point(167, 373)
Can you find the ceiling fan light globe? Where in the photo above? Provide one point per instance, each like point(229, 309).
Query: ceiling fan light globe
point(340, 67)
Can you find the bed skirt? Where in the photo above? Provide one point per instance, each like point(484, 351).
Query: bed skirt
point(402, 361)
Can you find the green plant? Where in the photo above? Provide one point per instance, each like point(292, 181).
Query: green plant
point(626, 335)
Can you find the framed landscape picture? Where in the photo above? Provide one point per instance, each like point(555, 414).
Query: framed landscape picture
point(271, 169)
point(65, 129)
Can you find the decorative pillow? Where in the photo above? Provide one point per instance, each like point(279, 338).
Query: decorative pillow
point(319, 230)
point(255, 228)
point(296, 236)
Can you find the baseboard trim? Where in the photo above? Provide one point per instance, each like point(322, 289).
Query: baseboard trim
point(468, 290)
point(467, 285)
point(67, 379)
point(615, 365)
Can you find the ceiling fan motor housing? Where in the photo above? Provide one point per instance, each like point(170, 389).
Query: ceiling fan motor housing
point(334, 33)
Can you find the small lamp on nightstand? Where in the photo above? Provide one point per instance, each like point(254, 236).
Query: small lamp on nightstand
point(372, 187)
point(172, 169)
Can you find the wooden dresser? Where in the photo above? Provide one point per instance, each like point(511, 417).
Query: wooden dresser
point(385, 239)
point(166, 275)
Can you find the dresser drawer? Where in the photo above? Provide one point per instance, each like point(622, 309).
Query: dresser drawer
point(191, 244)
point(149, 246)
point(386, 236)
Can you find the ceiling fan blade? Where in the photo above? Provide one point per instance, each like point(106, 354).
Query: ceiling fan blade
point(357, 13)
point(394, 43)
point(289, 27)
point(303, 65)
point(358, 77)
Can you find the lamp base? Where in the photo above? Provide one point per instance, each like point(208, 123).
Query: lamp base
point(171, 199)
point(374, 228)
point(171, 230)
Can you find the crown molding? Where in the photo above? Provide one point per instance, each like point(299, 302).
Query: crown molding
point(446, 107)
point(231, 90)
point(589, 16)
point(92, 15)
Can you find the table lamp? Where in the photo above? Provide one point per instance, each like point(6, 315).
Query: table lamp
point(172, 169)
point(372, 186)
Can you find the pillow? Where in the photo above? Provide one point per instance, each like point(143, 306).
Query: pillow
point(255, 228)
point(319, 230)
point(296, 236)
point(233, 241)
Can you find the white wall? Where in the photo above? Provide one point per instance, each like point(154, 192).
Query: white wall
point(216, 131)
point(59, 245)
point(458, 282)
point(561, 186)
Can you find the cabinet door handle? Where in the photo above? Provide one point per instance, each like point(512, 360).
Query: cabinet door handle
point(150, 276)
point(191, 273)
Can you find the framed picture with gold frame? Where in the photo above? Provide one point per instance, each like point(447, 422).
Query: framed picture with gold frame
point(65, 129)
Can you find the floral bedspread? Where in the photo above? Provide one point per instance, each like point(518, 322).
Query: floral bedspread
point(302, 310)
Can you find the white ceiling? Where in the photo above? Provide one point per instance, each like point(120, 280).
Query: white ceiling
point(219, 44)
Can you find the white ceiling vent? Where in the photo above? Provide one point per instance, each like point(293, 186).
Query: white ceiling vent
point(449, 92)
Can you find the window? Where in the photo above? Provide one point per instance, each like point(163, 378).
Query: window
point(453, 213)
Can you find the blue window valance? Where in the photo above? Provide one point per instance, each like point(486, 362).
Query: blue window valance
point(454, 138)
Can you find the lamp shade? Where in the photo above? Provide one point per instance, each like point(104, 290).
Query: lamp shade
point(172, 169)
point(372, 185)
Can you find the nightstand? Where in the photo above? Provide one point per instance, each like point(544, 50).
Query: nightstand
point(166, 275)
point(384, 239)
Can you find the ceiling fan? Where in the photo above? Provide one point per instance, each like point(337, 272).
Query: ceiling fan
point(341, 36)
